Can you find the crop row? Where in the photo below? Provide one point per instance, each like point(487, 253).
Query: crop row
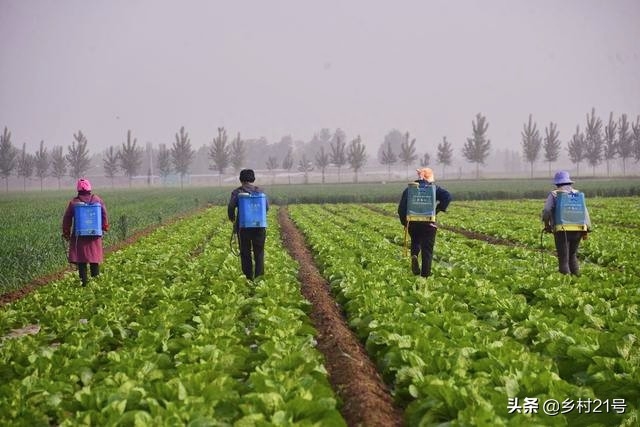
point(614, 242)
point(169, 333)
point(485, 327)
point(610, 244)
point(614, 211)
point(30, 227)
point(31, 246)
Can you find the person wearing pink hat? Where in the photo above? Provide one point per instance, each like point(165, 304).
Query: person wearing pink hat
point(565, 215)
point(421, 201)
point(83, 224)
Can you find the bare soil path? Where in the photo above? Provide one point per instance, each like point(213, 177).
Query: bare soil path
point(366, 399)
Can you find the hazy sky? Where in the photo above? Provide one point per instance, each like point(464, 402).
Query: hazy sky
point(272, 68)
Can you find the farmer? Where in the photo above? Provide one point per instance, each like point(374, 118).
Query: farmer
point(419, 204)
point(565, 215)
point(250, 223)
point(83, 224)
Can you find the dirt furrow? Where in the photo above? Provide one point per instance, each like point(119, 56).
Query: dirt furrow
point(365, 397)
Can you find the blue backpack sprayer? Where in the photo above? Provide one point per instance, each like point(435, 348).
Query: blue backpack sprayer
point(421, 205)
point(87, 220)
point(252, 213)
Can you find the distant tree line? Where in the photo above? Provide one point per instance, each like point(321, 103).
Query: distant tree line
point(619, 138)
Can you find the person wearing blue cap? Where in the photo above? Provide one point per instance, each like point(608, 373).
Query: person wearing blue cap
point(565, 215)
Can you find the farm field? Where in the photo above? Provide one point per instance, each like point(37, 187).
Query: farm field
point(170, 333)
point(30, 226)
point(373, 192)
point(31, 247)
point(493, 322)
point(494, 333)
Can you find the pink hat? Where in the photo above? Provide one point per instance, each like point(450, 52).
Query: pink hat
point(83, 184)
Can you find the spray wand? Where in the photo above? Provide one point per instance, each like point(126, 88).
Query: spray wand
point(233, 240)
point(542, 266)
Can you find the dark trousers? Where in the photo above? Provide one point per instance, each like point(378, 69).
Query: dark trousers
point(423, 238)
point(567, 243)
point(82, 271)
point(252, 240)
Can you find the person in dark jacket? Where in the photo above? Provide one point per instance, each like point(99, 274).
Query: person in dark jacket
point(84, 249)
point(567, 238)
point(423, 233)
point(250, 239)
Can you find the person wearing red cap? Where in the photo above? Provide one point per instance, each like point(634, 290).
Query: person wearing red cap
point(422, 228)
point(251, 234)
point(565, 215)
point(84, 231)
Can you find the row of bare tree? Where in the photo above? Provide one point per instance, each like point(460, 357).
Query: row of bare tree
point(326, 149)
point(619, 138)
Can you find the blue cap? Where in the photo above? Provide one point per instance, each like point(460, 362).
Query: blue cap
point(562, 177)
